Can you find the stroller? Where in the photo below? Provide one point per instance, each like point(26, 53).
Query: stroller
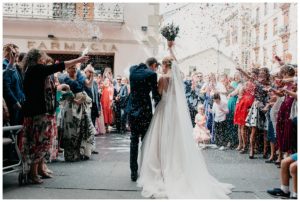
point(12, 158)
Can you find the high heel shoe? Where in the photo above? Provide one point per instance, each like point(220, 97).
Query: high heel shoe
point(238, 148)
point(251, 156)
point(35, 179)
point(243, 151)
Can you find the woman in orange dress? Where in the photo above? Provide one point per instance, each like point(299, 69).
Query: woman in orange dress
point(106, 102)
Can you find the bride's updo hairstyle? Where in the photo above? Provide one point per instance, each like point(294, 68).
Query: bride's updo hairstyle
point(168, 61)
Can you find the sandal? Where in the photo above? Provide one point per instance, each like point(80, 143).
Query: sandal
point(270, 161)
point(35, 180)
point(238, 149)
point(243, 151)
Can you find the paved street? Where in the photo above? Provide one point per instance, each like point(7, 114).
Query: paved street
point(107, 175)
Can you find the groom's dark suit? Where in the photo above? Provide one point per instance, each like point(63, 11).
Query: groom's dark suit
point(142, 81)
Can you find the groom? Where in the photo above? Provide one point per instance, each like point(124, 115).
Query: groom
point(143, 80)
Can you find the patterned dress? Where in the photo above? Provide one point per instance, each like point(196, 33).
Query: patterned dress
point(78, 129)
point(256, 117)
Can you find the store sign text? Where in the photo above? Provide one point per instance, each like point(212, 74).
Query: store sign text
point(71, 46)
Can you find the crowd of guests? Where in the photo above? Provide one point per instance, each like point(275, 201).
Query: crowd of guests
point(254, 112)
point(61, 105)
point(64, 105)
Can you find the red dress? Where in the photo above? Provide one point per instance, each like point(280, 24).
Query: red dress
point(241, 110)
point(106, 101)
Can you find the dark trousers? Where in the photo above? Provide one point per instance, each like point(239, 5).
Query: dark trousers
point(138, 129)
point(118, 117)
point(193, 113)
point(221, 135)
point(124, 119)
point(94, 113)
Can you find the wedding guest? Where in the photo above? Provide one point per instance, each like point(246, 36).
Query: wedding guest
point(233, 96)
point(78, 129)
point(241, 111)
point(116, 100)
point(208, 89)
point(221, 87)
point(106, 102)
point(92, 92)
point(192, 93)
point(9, 50)
point(288, 168)
point(219, 111)
point(13, 91)
point(124, 95)
point(201, 133)
point(100, 126)
point(256, 118)
point(284, 126)
point(39, 125)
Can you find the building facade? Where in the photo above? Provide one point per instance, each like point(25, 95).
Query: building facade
point(274, 32)
point(117, 35)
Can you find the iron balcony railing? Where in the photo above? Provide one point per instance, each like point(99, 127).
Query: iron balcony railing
point(106, 12)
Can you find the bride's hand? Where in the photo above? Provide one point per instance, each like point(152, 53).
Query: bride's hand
point(170, 44)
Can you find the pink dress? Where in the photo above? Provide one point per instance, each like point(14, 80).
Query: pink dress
point(201, 133)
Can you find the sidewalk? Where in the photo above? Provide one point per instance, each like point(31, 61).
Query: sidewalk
point(107, 175)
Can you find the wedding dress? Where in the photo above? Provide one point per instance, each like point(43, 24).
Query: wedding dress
point(171, 165)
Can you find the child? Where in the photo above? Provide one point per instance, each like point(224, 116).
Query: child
point(201, 133)
point(219, 110)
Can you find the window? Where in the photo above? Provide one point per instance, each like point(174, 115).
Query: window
point(228, 38)
point(234, 35)
point(275, 21)
point(265, 56)
point(265, 31)
point(257, 14)
point(266, 8)
point(274, 52)
point(192, 69)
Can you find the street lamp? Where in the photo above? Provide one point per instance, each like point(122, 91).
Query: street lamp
point(219, 41)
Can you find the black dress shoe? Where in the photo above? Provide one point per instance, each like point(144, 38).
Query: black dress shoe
point(95, 152)
point(134, 176)
point(277, 192)
point(270, 161)
point(84, 158)
point(251, 157)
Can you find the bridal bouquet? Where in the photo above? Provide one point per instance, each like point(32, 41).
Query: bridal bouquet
point(170, 31)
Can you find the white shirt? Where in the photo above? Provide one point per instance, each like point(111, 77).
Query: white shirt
point(220, 111)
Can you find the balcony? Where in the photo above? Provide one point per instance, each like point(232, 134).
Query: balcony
point(102, 12)
point(255, 22)
point(284, 32)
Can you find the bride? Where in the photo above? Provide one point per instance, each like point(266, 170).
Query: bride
point(171, 164)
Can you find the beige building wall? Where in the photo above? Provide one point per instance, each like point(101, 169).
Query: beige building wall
point(126, 40)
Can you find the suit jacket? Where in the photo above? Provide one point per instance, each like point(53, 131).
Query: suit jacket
point(93, 94)
point(193, 96)
point(13, 91)
point(142, 82)
point(124, 96)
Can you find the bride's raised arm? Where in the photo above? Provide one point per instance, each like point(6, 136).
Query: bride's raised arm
point(170, 48)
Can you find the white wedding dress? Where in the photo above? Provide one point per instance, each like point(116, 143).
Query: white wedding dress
point(171, 165)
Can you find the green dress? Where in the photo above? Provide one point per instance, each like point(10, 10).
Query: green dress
point(232, 129)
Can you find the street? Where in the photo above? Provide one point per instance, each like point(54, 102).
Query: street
point(107, 175)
